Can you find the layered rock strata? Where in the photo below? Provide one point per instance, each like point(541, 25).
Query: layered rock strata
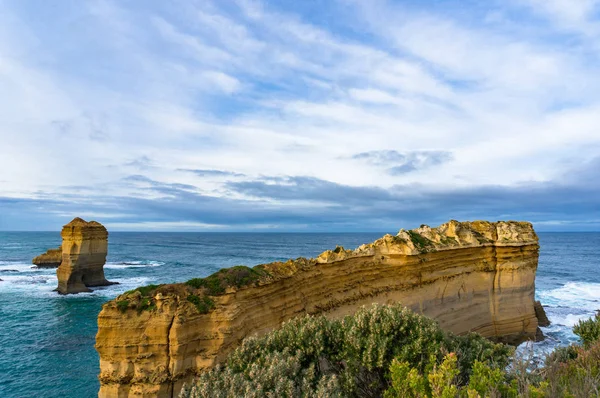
point(84, 249)
point(51, 259)
point(470, 276)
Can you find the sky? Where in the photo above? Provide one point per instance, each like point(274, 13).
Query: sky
point(341, 115)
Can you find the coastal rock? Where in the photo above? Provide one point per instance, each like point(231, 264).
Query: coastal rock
point(540, 314)
point(469, 276)
point(84, 249)
point(51, 259)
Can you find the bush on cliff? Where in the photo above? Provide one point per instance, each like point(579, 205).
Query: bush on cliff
point(588, 330)
point(237, 276)
point(387, 351)
point(318, 357)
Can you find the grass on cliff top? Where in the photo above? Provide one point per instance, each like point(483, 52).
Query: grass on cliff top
point(237, 276)
point(212, 285)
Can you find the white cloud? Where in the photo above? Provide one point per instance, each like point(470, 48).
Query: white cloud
point(575, 15)
point(262, 91)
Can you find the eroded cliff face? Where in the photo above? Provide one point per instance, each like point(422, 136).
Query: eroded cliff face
point(51, 259)
point(472, 276)
point(84, 249)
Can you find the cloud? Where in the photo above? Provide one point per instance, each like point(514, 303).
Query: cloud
point(255, 113)
point(213, 173)
point(301, 188)
point(305, 203)
point(397, 163)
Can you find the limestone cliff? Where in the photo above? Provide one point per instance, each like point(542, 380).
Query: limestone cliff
point(51, 259)
point(84, 249)
point(471, 276)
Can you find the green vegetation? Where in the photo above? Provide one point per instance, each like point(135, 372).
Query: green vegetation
point(420, 242)
point(122, 305)
point(318, 357)
point(203, 304)
point(146, 304)
point(237, 276)
point(390, 352)
point(480, 238)
point(212, 285)
point(589, 330)
point(398, 239)
point(144, 290)
point(448, 240)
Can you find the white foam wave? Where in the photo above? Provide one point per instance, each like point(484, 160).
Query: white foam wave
point(133, 264)
point(570, 320)
point(13, 266)
point(44, 285)
point(583, 295)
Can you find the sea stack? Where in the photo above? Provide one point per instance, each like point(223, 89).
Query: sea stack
point(51, 259)
point(84, 249)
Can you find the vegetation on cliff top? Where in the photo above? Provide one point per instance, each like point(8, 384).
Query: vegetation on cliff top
point(419, 241)
point(390, 352)
point(195, 291)
point(237, 276)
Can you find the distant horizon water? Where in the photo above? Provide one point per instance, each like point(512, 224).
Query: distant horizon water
point(47, 340)
point(269, 231)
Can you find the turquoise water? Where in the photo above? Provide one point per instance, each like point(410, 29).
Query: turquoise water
point(47, 340)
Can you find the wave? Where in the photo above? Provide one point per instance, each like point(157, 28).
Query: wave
point(44, 285)
point(573, 295)
point(565, 307)
point(14, 266)
point(133, 264)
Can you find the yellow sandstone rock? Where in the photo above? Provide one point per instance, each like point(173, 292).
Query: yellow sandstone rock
point(84, 249)
point(51, 259)
point(469, 276)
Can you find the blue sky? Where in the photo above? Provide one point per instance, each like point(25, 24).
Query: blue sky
point(340, 115)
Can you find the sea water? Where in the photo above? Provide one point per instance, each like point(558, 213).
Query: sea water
point(47, 340)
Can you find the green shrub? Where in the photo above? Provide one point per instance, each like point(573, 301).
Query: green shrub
point(348, 357)
point(146, 290)
point(237, 276)
point(391, 352)
point(276, 374)
point(420, 242)
point(562, 355)
point(146, 304)
point(203, 304)
point(196, 283)
point(122, 305)
point(588, 330)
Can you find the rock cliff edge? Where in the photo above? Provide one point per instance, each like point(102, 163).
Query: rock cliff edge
point(469, 276)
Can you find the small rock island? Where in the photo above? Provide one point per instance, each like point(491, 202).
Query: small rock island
point(84, 249)
point(51, 259)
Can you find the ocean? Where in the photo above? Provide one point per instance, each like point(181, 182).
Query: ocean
point(47, 340)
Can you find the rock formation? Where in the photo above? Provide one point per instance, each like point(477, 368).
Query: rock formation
point(84, 249)
point(471, 276)
point(51, 259)
point(540, 314)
